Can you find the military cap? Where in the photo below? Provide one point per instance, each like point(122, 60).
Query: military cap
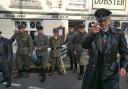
point(55, 30)
point(102, 13)
point(81, 26)
point(39, 28)
point(21, 26)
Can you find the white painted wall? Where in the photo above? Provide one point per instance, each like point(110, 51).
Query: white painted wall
point(4, 6)
point(7, 27)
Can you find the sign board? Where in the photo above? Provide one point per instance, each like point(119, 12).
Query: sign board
point(125, 18)
point(109, 4)
point(39, 16)
point(55, 17)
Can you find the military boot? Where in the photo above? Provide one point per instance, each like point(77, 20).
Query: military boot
point(75, 68)
point(43, 75)
point(19, 74)
point(59, 71)
point(26, 74)
point(6, 80)
point(8, 84)
point(81, 72)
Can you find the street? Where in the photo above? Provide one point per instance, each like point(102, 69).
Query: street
point(54, 81)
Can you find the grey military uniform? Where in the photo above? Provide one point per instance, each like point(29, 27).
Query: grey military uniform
point(42, 43)
point(70, 40)
point(70, 49)
point(80, 51)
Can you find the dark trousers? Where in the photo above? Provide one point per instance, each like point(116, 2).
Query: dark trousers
point(73, 59)
point(56, 63)
point(6, 70)
point(43, 61)
point(81, 69)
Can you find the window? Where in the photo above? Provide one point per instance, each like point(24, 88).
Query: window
point(76, 4)
point(30, 25)
point(18, 23)
point(38, 24)
point(25, 4)
point(34, 24)
point(90, 25)
point(54, 3)
point(23, 23)
point(124, 25)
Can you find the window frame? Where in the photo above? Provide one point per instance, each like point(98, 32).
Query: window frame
point(76, 3)
point(25, 4)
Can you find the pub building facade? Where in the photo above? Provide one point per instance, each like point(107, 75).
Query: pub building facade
point(56, 13)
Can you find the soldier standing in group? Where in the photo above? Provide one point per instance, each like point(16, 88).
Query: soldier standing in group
point(56, 44)
point(24, 51)
point(41, 45)
point(80, 52)
point(70, 48)
point(5, 59)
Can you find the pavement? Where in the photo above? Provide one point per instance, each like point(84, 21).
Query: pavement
point(55, 81)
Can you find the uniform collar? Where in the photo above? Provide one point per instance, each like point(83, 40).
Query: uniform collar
point(107, 31)
point(40, 34)
point(55, 37)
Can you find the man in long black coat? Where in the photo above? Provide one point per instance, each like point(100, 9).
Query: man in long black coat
point(104, 42)
point(5, 59)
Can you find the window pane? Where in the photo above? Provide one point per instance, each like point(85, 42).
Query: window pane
point(80, 1)
point(38, 24)
point(77, 4)
point(23, 23)
point(124, 25)
point(72, 0)
point(26, 4)
point(76, 1)
point(32, 25)
point(17, 23)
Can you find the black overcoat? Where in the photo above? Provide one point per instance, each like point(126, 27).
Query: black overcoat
point(5, 57)
point(102, 70)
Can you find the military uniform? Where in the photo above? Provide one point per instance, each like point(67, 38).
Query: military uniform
point(55, 53)
point(80, 52)
point(70, 49)
point(24, 50)
point(42, 43)
point(5, 60)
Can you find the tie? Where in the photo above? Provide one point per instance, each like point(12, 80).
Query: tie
point(104, 39)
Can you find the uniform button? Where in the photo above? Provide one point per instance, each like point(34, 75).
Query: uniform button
point(93, 65)
point(107, 64)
